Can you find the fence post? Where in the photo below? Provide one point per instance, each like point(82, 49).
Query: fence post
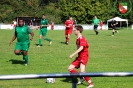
point(74, 82)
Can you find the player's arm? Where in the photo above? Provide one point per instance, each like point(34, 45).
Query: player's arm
point(31, 36)
point(111, 24)
point(43, 26)
point(77, 51)
point(116, 23)
point(66, 25)
point(47, 24)
point(98, 21)
point(92, 22)
point(13, 38)
point(31, 33)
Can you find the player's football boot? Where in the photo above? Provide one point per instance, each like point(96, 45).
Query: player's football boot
point(25, 64)
point(50, 42)
point(38, 46)
point(112, 35)
point(90, 86)
point(66, 43)
point(80, 82)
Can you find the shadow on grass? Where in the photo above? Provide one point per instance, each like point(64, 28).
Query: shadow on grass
point(69, 80)
point(91, 34)
point(62, 42)
point(38, 44)
point(16, 61)
point(109, 35)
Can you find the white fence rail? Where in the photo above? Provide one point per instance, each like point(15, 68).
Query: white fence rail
point(62, 75)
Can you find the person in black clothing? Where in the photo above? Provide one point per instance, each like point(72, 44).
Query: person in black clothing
point(113, 24)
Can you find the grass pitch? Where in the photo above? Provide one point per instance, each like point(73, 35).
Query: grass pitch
point(107, 54)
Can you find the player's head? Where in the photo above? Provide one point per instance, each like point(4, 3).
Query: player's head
point(112, 18)
point(43, 16)
point(78, 29)
point(95, 16)
point(70, 18)
point(20, 22)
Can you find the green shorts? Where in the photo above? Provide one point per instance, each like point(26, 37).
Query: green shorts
point(24, 46)
point(43, 31)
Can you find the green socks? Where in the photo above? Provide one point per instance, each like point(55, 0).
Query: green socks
point(47, 39)
point(40, 41)
point(26, 59)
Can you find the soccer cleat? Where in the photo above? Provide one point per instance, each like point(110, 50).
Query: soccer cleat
point(38, 46)
point(50, 42)
point(97, 33)
point(66, 43)
point(25, 64)
point(80, 82)
point(90, 86)
point(116, 31)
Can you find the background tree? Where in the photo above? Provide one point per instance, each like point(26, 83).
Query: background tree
point(59, 10)
point(84, 11)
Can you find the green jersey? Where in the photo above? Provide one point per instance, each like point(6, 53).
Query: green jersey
point(44, 22)
point(96, 21)
point(22, 33)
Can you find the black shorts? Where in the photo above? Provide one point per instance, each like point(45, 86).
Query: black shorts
point(114, 27)
point(95, 26)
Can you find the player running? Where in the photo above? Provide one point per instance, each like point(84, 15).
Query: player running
point(113, 24)
point(96, 23)
point(82, 59)
point(23, 41)
point(43, 31)
point(69, 27)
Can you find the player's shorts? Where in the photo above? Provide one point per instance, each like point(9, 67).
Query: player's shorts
point(24, 46)
point(114, 27)
point(68, 31)
point(95, 26)
point(52, 27)
point(78, 60)
point(43, 31)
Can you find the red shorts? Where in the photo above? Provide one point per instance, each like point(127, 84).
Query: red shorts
point(68, 31)
point(78, 60)
point(52, 26)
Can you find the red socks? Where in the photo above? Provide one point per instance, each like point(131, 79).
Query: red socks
point(73, 71)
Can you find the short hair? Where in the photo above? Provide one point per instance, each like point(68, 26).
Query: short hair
point(43, 14)
point(79, 28)
point(20, 19)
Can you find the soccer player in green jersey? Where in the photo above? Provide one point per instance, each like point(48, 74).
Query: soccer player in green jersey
point(43, 31)
point(96, 22)
point(23, 41)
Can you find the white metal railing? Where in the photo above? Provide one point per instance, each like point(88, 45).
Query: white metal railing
point(62, 75)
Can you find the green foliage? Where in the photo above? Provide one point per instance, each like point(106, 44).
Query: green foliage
point(82, 11)
point(10, 9)
point(52, 13)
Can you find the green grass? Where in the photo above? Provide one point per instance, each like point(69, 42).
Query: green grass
point(107, 54)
